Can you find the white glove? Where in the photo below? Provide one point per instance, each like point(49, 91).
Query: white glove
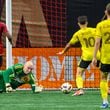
point(8, 88)
point(38, 89)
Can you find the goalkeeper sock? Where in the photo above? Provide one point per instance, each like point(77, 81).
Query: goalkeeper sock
point(104, 90)
point(79, 82)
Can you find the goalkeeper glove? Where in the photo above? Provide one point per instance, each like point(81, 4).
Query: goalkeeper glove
point(38, 89)
point(8, 88)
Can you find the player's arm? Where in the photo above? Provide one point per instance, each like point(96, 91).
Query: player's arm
point(35, 87)
point(97, 44)
point(65, 49)
point(71, 42)
point(6, 75)
point(96, 48)
point(7, 34)
point(6, 78)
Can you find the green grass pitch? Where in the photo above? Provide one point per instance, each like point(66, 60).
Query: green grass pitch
point(50, 100)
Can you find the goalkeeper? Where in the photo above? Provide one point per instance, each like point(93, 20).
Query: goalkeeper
point(17, 75)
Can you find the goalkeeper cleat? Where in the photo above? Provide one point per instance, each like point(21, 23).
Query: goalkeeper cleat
point(78, 93)
point(104, 106)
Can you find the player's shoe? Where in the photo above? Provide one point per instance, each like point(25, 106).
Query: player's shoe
point(104, 105)
point(78, 93)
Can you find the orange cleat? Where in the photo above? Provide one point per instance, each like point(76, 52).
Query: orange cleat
point(78, 93)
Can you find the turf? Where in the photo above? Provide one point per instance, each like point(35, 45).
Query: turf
point(50, 100)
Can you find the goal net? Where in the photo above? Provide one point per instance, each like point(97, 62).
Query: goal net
point(39, 33)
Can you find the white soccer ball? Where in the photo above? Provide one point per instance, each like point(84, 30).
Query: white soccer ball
point(66, 87)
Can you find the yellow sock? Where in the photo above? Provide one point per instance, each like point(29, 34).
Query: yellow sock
point(104, 89)
point(79, 81)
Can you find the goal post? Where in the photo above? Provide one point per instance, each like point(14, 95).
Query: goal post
point(9, 26)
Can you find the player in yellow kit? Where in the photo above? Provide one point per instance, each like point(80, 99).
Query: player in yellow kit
point(103, 39)
point(86, 36)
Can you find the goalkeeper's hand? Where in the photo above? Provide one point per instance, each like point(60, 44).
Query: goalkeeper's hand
point(8, 88)
point(38, 89)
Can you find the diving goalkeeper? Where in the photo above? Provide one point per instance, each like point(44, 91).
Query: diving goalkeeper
point(17, 75)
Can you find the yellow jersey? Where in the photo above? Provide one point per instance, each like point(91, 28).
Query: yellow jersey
point(103, 32)
point(86, 37)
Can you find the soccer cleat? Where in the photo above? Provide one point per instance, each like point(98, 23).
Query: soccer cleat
point(78, 93)
point(104, 105)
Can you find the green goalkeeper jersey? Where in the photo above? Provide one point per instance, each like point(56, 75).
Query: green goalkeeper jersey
point(16, 77)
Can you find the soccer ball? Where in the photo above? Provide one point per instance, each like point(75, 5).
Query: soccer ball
point(66, 88)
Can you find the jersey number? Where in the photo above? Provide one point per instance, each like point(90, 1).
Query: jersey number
point(107, 41)
point(89, 42)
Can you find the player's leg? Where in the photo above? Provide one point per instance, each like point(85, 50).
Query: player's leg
point(79, 80)
point(104, 90)
point(104, 84)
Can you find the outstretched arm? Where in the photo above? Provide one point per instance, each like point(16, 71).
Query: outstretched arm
point(65, 49)
point(73, 41)
point(35, 87)
point(7, 34)
point(6, 78)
